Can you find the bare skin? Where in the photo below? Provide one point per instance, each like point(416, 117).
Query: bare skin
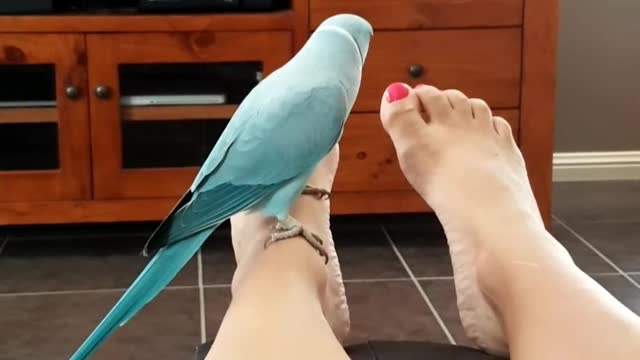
point(279, 292)
point(465, 164)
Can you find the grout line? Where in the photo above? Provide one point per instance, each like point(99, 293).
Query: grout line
point(4, 244)
point(605, 274)
point(203, 322)
point(399, 279)
point(375, 280)
point(62, 292)
point(595, 250)
point(419, 288)
point(225, 286)
point(433, 278)
point(88, 291)
point(216, 286)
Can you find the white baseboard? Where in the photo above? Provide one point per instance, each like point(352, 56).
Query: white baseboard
point(596, 166)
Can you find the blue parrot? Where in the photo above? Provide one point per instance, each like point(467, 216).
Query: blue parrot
point(284, 127)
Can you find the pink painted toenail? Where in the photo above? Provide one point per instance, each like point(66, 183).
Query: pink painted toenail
point(396, 91)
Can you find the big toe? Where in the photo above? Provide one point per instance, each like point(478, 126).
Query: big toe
point(400, 114)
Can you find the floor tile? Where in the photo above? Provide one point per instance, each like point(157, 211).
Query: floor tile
point(216, 302)
point(53, 326)
point(620, 242)
point(423, 245)
point(623, 290)
point(365, 253)
point(609, 201)
point(392, 311)
point(584, 257)
point(442, 294)
point(218, 259)
point(59, 264)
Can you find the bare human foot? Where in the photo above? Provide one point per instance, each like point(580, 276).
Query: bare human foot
point(251, 230)
point(465, 163)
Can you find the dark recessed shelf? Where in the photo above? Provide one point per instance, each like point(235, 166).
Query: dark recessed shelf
point(75, 23)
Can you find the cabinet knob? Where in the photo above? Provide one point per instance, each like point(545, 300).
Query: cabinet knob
point(416, 71)
point(103, 92)
point(72, 92)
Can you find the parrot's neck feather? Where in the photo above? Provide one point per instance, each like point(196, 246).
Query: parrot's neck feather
point(342, 32)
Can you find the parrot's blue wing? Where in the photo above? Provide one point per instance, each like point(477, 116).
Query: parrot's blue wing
point(211, 207)
point(262, 157)
point(279, 142)
point(291, 131)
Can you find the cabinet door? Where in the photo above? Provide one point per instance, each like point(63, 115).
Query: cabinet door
point(44, 130)
point(160, 101)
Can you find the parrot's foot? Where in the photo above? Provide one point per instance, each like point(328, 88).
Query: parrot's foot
point(291, 228)
point(321, 194)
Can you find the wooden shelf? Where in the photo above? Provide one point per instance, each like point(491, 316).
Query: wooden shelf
point(281, 20)
point(28, 115)
point(156, 209)
point(92, 186)
point(168, 113)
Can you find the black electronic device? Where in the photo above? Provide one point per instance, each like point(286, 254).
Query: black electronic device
point(25, 7)
point(187, 5)
point(208, 5)
point(45, 7)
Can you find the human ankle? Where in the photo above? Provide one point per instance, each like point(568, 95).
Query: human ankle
point(518, 254)
point(282, 264)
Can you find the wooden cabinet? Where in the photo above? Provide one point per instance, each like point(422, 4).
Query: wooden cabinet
point(89, 153)
point(44, 143)
point(122, 63)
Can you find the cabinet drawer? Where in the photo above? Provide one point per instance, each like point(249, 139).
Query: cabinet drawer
point(423, 14)
point(481, 63)
point(368, 159)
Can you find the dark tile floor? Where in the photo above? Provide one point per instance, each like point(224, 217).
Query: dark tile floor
point(57, 283)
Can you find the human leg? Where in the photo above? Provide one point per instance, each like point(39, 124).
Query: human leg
point(518, 288)
point(287, 304)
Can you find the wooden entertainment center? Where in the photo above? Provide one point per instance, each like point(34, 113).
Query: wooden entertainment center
point(503, 51)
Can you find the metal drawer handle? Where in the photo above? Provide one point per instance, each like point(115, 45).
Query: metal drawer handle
point(416, 71)
point(103, 92)
point(72, 92)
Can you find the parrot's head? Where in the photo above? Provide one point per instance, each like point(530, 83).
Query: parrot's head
point(356, 28)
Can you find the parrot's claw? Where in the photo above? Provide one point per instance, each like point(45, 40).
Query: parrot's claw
point(321, 194)
point(291, 228)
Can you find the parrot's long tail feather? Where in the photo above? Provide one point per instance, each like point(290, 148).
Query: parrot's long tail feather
point(164, 266)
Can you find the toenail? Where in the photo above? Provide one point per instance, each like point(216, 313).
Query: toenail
point(396, 91)
point(419, 86)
